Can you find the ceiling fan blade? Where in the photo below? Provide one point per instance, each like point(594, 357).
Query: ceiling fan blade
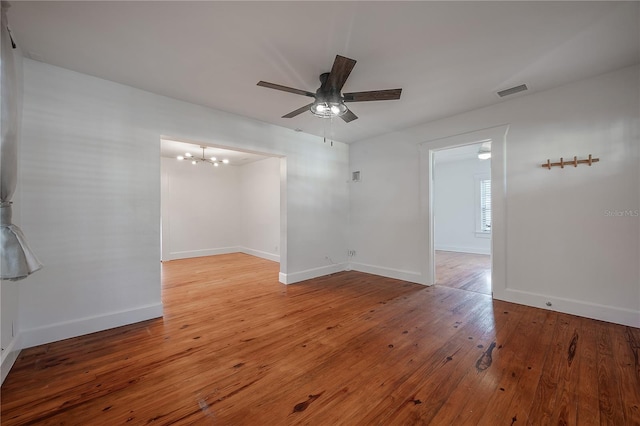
point(339, 73)
point(298, 111)
point(349, 116)
point(374, 95)
point(286, 89)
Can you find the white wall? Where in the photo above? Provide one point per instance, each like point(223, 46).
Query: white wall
point(384, 207)
point(200, 209)
point(561, 246)
point(260, 208)
point(456, 204)
point(227, 209)
point(90, 198)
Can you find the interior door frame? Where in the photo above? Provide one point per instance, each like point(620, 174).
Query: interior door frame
point(498, 137)
point(165, 249)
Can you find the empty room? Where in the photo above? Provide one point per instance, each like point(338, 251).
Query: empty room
point(323, 213)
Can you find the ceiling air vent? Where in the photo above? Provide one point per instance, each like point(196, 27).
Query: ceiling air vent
point(512, 90)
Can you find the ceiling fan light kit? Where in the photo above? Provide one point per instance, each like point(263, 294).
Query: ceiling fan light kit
point(328, 109)
point(329, 101)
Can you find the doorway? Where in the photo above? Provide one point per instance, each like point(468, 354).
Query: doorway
point(497, 189)
point(462, 217)
point(221, 200)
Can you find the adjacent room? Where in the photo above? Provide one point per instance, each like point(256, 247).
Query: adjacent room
point(462, 217)
point(285, 213)
point(218, 201)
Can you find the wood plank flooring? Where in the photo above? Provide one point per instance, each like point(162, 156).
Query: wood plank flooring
point(235, 347)
point(466, 271)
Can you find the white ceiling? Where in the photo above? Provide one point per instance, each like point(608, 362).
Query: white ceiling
point(449, 57)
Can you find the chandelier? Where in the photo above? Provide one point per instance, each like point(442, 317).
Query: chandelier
point(195, 160)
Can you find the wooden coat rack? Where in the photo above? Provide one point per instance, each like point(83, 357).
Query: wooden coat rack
point(573, 162)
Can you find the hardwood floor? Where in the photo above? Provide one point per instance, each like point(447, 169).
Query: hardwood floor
point(235, 347)
point(466, 271)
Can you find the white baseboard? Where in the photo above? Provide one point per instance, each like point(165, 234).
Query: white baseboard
point(78, 327)
point(580, 308)
point(9, 356)
point(296, 277)
point(471, 250)
point(222, 250)
point(261, 254)
point(201, 253)
point(398, 274)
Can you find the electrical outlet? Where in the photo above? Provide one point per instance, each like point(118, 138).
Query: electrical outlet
point(351, 253)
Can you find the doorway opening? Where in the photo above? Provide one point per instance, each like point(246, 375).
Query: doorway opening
point(231, 204)
point(498, 187)
point(462, 217)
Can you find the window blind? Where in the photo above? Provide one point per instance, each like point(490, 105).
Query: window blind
point(485, 205)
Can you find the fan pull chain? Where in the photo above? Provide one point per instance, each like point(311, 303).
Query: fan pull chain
point(331, 128)
point(324, 133)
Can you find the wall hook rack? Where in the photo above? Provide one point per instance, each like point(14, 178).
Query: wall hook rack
point(573, 162)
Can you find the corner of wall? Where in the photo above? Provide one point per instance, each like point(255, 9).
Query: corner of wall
point(398, 274)
point(296, 277)
point(260, 254)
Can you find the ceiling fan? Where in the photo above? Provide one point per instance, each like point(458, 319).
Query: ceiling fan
point(329, 101)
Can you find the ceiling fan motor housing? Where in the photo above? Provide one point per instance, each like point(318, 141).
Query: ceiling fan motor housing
point(328, 94)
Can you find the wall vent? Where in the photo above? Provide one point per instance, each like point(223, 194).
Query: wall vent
point(355, 176)
point(512, 90)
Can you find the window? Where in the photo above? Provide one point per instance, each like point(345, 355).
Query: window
point(485, 206)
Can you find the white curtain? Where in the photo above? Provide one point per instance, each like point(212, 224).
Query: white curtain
point(17, 260)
